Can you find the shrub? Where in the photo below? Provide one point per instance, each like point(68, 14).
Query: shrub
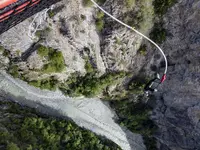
point(100, 15)
point(83, 17)
point(129, 3)
point(2, 49)
point(161, 6)
point(99, 25)
point(43, 33)
point(88, 66)
point(43, 51)
point(55, 58)
point(142, 50)
point(12, 146)
point(87, 3)
point(158, 34)
point(49, 83)
point(13, 70)
point(56, 63)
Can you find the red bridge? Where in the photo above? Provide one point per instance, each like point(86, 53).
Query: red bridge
point(13, 12)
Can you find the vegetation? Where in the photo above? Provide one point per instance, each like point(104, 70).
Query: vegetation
point(2, 49)
point(161, 6)
point(129, 3)
point(43, 51)
point(55, 59)
point(142, 50)
point(43, 33)
point(14, 71)
point(87, 3)
point(89, 85)
point(100, 25)
point(100, 15)
point(99, 21)
point(56, 10)
point(49, 83)
point(24, 129)
point(158, 34)
point(88, 66)
point(135, 116)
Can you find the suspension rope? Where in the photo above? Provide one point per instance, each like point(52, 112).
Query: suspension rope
point(166, 63)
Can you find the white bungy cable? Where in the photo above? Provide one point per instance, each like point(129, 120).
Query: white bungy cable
point(144, 36)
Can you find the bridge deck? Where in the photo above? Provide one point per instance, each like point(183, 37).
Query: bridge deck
point(28, 12)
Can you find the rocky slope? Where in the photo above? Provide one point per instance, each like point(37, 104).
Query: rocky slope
point(178, 109)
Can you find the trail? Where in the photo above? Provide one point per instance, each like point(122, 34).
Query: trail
point(91, 114)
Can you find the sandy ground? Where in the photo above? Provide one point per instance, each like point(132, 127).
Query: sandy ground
point(91, 114)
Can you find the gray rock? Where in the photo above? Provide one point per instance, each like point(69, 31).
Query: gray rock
point(177, 112)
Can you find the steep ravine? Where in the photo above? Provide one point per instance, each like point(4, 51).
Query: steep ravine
point(177, 112)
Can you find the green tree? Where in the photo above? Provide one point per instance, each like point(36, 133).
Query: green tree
point(12, 146)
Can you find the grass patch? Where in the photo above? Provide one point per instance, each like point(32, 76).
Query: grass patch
point(24, 129)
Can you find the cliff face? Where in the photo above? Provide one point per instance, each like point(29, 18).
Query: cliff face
point(178, 107)
point(177, 111)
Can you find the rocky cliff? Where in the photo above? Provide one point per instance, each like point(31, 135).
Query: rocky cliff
point(73, 31)
point(178, 109)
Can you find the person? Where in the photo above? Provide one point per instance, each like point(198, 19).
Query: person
point(152, 85)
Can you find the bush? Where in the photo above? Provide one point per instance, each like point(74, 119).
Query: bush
point(55, 58)
point(87, 3)
point(49, 83)
point(161, 6)
point(99, 25)
point(158, 34)
point(100, 15)
point(2, 49)
point(88, 66)
point(43, 33)
point(12, 146)
point(13, 70)
point(129, 3)
point(56, 63)
point(43, 51)
point(142, 50)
